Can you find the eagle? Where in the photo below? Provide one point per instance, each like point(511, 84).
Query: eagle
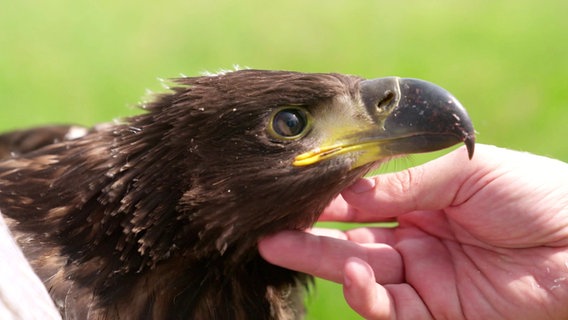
point(158, 216)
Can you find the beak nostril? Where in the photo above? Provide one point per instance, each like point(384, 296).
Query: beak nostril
point(386, 102)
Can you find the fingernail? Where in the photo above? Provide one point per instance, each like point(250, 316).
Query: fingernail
point(362, 185)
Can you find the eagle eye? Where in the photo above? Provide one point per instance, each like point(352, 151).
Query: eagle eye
point(290, 123)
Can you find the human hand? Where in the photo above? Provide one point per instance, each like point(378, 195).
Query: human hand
point(479, 239)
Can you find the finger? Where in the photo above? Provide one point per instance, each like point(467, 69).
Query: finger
point(372, 235)
point(362, 293)
point(374, 301)
point(360, 235)
point(364, 235)
point(328, 232)
point(340, 210)
point(337, 210)
point(325, 257)
point(431, 186)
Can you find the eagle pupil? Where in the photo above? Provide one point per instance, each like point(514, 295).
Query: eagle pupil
point(289, 122)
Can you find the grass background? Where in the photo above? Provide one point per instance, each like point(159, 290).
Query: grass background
point(91, 61)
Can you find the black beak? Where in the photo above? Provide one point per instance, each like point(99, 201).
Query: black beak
point(416, 116)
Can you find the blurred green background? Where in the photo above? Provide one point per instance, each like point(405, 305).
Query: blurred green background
point(91, 61)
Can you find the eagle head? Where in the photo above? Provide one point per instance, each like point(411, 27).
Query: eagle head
point(159, 215)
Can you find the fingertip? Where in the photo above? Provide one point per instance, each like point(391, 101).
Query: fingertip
point(361, 186)
point(336, 210)
point(265, 243)
point(266, 246)
point(361, 290)
point(357, 271)
point(270, 245)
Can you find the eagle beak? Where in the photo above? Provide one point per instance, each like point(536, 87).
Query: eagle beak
point(408, 115)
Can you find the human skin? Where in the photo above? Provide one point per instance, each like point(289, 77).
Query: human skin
point(485, 238)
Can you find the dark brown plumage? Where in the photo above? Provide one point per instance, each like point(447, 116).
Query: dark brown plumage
point(18, 142)
point(158, 217)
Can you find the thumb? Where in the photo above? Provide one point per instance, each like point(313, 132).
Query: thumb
point(435, 185)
